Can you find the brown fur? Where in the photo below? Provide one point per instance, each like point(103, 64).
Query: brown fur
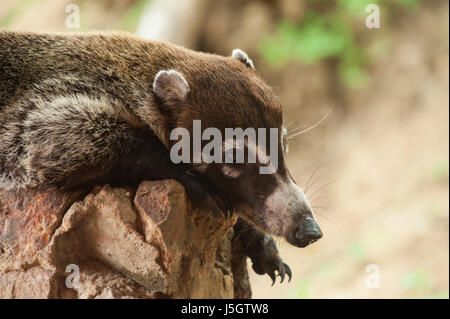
point(78, 109)
point(118, 70)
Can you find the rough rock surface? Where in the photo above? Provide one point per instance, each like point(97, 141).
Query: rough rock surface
point(111, 242)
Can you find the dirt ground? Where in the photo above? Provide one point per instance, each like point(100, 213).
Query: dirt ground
point(385, 169)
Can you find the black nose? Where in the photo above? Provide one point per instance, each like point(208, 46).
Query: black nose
point(307, 233)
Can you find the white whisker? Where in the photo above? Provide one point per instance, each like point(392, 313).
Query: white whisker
point(311, 127)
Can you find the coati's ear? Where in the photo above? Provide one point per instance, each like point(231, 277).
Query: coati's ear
point(170, 86)
point(240, 55)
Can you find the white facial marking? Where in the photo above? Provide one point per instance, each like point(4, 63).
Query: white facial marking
point(277, 200)
point(230, 171)
point(283, 198)
point(254, 153)
point(302, 195)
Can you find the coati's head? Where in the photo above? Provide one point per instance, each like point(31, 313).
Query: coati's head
point(228, 93)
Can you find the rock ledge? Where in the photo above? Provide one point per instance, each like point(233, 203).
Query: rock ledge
point(110, 242)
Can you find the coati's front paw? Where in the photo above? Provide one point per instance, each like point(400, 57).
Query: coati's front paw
point(266, 259)
point(204, 194)
point(220, 204)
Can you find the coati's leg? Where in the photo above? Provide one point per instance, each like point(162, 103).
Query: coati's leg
point(261, 249)
point(78, 141)
point(149, 159)
point(141, 156)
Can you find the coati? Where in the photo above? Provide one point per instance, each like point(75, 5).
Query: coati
point(83, 109)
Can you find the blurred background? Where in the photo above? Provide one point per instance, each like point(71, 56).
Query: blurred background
point(377, 168)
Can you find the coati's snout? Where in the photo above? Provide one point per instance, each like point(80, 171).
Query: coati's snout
point(304, 230)
point(289, 214)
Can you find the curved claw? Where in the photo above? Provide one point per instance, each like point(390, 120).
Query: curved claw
point(281, 272)
point(229, 208)
point(229, 211)
point(288, 271)
point(265, 258)
point(273, 277)
point(225, 205)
